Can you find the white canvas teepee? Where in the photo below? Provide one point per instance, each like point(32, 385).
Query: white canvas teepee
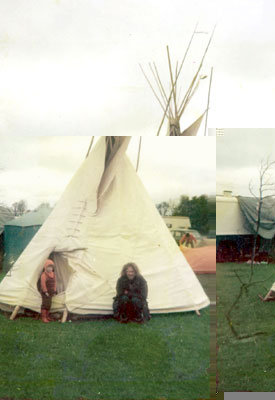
point(103, 220)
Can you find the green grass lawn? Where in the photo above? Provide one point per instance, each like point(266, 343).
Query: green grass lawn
point(167, 358)
point(208, 282)
point(248, 364)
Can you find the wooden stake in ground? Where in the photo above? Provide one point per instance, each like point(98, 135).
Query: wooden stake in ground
point(14, 313)
point(65, 316)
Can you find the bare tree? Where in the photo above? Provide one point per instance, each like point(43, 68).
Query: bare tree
point(19, 207)
point(163, 208)
point(265, 190)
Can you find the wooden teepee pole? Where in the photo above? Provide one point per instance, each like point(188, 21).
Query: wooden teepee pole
point(176, 77)
point(172, 83)
point(160, 85)
point(176, 73)
point(183, 103)
point(186, 51)
point(91, 143)
point(153, 90)
point(208, 101)
point(139, 148)
point(164, 115)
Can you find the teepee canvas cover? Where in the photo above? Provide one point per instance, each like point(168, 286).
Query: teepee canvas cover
point(103, 220)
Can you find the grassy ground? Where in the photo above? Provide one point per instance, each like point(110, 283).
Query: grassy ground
point(247, 364)
point(167, 358)
point(208, 282)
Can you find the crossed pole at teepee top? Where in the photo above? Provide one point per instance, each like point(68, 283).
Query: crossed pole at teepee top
point(164, 100)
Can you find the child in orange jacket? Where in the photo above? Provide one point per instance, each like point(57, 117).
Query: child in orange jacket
point(47, 289)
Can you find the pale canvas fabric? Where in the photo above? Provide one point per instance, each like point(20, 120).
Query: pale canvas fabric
point(192, 130)
point(104, 219)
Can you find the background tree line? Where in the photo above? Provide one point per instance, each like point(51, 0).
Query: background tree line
point(200, 209)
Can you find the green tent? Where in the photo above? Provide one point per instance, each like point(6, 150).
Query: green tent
point(6, 214)
point(19, 231)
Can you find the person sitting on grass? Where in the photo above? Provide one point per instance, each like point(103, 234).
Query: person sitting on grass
point(130, 302)
point(47, 288)
point(269, 297)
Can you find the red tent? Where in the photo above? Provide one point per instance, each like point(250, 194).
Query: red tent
point(201, 259)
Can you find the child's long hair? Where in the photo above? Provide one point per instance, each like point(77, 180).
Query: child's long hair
point(126, 266)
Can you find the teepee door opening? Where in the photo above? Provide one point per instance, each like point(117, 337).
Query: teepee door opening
point(63, 271)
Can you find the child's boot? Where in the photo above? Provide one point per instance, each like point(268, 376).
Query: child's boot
point(44, 315)
point(49, 318)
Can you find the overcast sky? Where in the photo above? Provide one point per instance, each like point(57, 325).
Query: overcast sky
point(38, 169)
point(239, 155)
point(70, 67)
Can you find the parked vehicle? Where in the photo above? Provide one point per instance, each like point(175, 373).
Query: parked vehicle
point(177, 222)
